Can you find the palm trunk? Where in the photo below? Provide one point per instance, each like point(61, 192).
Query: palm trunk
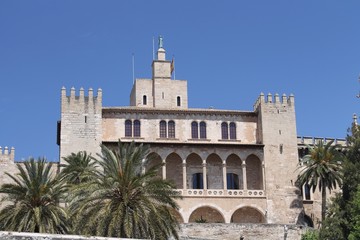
point(323, 203)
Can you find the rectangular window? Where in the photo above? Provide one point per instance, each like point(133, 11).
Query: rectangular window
point(198, 181)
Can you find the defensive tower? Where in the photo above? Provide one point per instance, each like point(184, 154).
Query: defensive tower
point(80, 127)
point(277, 131)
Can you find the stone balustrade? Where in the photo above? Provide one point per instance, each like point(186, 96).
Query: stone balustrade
point(221, 193)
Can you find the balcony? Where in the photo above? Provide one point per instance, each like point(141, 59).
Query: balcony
point(222, 193)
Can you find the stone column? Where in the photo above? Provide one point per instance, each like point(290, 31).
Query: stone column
point(164, 169)
point(143, 169)
point(263, 174)
point(184, 173)
point(244, 174)
point(224, 175)
point(204, 174)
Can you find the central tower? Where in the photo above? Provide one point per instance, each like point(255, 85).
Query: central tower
point(160, 91)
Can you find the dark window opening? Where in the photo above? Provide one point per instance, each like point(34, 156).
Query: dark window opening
point(203, 130)
point(178, 101)
point(232, 181)
point(144, 100)
point(171, 129)
point(128, 128)
point(194, 130)
point(162, 129)
point(307, 192)
point(197, 181)
point(224, 131)
point(232, 130)
point(136, 128)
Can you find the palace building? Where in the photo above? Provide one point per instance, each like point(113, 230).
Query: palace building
point(231, 166)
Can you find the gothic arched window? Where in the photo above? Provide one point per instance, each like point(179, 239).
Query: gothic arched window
point(162, 129)
point(202, 130)
point(194, 130)
point(232, 130)
point(171, 129)
point(136, 128)
point(128, 128)
point(224, 131)
point(144, 100)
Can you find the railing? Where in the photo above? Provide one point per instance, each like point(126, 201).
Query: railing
point(221, 193)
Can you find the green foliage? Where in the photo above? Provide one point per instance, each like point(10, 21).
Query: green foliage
point(200, 220)
point(322, 168)
point(79, 168)
point(121, 200)
point(344, 221)
point(310, 235)
point(33, 200)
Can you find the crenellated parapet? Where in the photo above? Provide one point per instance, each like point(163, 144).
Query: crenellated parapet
point(75, 102)
point(274, 100)
point(306, 140)
point(7, 155)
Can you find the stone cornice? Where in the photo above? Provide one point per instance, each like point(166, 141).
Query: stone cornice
point(108, 111)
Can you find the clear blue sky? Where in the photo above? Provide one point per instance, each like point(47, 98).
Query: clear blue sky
point(229, 51)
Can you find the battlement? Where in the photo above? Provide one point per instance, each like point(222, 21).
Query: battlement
point(314, 140)
point(6, 155)
point(274, 100)
point(75, 102)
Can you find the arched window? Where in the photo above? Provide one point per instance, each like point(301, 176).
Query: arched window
point(202, 130)
point(144, 100)
point(232, 130)
point(232, 180)
point(162, 129)
point(306, 193)
point(224, 131)
point(136, 128)
point(197, 181)
point(178, 101)
point(128, 128)
point(171, 129)
point(194, 130)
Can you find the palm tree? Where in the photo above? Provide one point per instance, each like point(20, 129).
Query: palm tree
point(78, 168)
point(321, 168)
point(31, 202)
point(123, 200)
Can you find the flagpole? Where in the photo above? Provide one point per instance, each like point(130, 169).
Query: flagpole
point(153, 48)
point(174, 67)
point(133, 67)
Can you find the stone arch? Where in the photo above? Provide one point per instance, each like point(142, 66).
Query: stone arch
point(194, 170)
point(234, 166)
point(254, 178)
point(308, 221)
point(207, 214)
point(214, 172)
point(154, 159)
point(177, 215)
point(174, 169)
point(247, 215)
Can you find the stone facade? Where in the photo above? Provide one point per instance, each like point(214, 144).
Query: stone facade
point(195, 231)
point(229, 165)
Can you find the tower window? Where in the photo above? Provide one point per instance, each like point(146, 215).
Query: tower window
point(144, 100)
point(128, 128)
point(202, 130)
point(136, 128)
point(162, 129)
point(178, 101)
point(194, 130)
point(171, 129)
point(232, 130)
point(224, 131)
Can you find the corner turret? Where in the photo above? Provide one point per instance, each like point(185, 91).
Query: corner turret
point(80, 122)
